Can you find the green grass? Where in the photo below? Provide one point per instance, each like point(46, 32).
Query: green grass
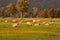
point(31, 37)
point(24, 32)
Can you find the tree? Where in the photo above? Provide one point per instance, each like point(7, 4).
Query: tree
point(2, 12)
point(35, 11)
point(22, 6)
point(43, 13)
point(11, 9)
point(50, 13)
point(56, 12)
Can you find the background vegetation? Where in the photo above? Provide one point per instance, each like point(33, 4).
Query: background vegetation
point(21, 10)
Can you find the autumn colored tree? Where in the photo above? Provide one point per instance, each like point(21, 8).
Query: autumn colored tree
point(11, 9)
point(2, 12)
point(56, 12)
point(35, 11)
point(50, 13)
point(43, 13)
point(22, 6)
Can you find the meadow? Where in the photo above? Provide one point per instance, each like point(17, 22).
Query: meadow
point(24, 32)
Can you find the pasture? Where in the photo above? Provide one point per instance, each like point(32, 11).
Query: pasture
point(24, 32)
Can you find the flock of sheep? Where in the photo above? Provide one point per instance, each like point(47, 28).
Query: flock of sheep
point(36, 22)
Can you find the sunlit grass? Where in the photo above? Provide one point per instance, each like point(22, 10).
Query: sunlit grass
point(24, 32)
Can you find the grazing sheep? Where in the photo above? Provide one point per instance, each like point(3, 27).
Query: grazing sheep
point(14, 21)
point(34, 21)
point(47, 24)
point(15, 25)
point(37, 20)
point(43, 22)
point(29, 23)
point(6, 21)
point(50, 22)
point(36, 24)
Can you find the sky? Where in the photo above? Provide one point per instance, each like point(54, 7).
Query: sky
point(35, 3)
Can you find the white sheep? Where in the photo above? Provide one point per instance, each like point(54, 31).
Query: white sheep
point(15, 25)
point(6, 21)
point(34, 21)
point(43, 22)
point(29, 23)
point(37, 20)
point(47, 24)
point(14, 20)
point(36, 24)
point(50, 22)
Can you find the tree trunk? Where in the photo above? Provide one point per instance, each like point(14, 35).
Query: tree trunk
point(20, 14)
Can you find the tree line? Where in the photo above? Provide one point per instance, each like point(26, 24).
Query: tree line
point(21, 10)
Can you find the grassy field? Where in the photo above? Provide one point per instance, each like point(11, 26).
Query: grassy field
point(23, 32)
